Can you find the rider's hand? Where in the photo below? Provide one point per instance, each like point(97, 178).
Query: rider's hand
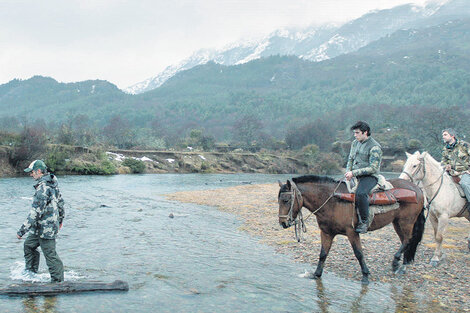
point(448, 167)
point(348, 175)
point(18, 236)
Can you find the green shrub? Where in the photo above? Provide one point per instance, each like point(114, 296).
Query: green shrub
point(413, 145)
point(106, 167)
point(136, 166)
point(56, 160)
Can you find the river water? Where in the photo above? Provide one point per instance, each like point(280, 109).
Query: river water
point(118, 227)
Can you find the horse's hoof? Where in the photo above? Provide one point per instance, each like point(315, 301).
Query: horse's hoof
point(394, 267)
point(365, 281)
point(402, 270)
point(308, 275)
point(434, 263)
point(316, 275)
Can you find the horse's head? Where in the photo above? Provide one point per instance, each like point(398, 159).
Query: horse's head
point(414, 168)
point(290, 203)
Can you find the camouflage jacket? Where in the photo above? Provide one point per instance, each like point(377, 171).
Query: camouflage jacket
point(457, 156)
point(47, 211)
point(365, 158)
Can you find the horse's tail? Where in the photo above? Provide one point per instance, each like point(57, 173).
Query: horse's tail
point(418, 230)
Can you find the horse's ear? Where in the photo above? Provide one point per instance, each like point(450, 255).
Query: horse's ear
point(407, 155)
point(288, 184)
point(279, 182)
point(421, 156)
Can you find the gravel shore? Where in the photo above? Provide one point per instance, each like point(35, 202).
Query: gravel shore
point(447, 285)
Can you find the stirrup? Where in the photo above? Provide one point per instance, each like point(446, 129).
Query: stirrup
point(361, 228)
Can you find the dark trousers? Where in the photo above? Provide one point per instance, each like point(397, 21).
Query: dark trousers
point(366, 183)
point(31, 256)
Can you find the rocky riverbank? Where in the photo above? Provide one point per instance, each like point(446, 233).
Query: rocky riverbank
point(446, 285)
point(213, 162)
point(62, 159)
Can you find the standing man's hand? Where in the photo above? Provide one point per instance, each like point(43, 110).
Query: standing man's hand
point(60, 226)
point(348, 175)
point(18, 236)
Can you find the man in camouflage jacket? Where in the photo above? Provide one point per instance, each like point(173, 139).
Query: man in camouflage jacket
point(456, 159)
point(43, 222)
point(364, 163)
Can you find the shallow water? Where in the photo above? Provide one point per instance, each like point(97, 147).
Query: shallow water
point(118, 227)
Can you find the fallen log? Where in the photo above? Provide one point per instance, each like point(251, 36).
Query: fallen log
point(63, 287)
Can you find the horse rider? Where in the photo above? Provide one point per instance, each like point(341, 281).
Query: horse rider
point(456, 159)
point(364, 164)
point(43, 222)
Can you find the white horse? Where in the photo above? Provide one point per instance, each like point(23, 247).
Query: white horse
point(441, 192)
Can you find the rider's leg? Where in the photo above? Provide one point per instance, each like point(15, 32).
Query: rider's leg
point(465, 183)
point(366, 183)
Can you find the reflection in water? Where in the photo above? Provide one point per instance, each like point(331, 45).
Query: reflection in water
point(324, 302)
point(31, 305)
point(407, 301)
point(356, 304)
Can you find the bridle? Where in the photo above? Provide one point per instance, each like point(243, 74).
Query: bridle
point(410, 176)
point(298, 221)
point(441, 178)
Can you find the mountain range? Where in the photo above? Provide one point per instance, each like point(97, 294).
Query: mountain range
point(319, 43)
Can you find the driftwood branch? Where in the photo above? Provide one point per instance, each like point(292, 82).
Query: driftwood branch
point(63, 287)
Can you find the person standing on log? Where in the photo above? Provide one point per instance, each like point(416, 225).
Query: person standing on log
point(44, 221)
point(364, 164)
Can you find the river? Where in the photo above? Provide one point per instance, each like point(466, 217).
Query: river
point(118, 227)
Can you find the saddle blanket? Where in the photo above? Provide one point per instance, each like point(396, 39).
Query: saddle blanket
point(379, 209)
point(386, 197)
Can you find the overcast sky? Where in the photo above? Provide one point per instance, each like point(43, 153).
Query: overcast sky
point(126, 41)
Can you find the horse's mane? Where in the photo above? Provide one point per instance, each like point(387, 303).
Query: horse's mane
point(314, 179)
point(431, 159)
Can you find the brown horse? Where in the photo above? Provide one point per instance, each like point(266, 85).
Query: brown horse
point(337, 217)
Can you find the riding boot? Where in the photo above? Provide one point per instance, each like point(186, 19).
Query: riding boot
point(362, 226)
point(366, 183)
point(363, 210)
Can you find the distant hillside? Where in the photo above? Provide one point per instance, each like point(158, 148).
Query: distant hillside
point(428, 67)
point(44, 97)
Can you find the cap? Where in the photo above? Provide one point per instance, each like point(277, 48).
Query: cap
point(36, 165)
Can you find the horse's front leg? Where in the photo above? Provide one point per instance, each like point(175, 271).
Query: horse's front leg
point(468, 239)
point(355, 241)
point(396, 259)
point(440, 225)
point(326, 241)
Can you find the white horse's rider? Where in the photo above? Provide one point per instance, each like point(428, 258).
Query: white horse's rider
point(456, 159)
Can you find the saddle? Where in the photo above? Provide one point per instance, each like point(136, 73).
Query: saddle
point(386, 197)
point(456, 180)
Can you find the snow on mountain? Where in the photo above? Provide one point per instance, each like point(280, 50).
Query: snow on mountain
point(317, 43)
